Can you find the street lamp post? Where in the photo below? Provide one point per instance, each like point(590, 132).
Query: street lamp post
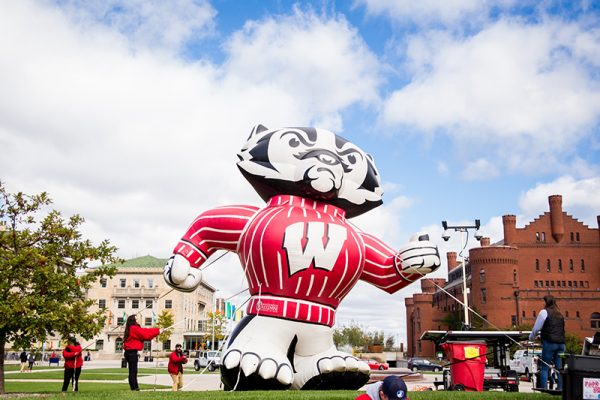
point(446, 236)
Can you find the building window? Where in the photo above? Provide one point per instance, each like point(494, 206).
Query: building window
point(120, 321)
point(147, 321)
point(537, 265)
point(570, 284)
point(543, 236)
point(566, 314)
point(523, 313)
point(119, 345)
point(572, 237)
point(537, 236)
point(580, 284)
point(571, 265)
point(482, 275)
point(564, 284)
point(513, 320)
point(135, 303)
point(514, 277)
point(103, 282)
point(548, 265)
point(559, 265)
point(483, 295)
point(535, 283)
point(122, 282)
point(577, 236)
point(534, 314)
point(551, 283)
point(147, 345)
point(136, 283)
point(595, 320)
point(99, 344)
point(148, 303)
point(582, 265)
point(557, 283)
point(547, 284)
point(577, 314)
point(168, 303)
point(167, 345)
point(151, 285)
point(121, 303)
point(574, 283)
point(102, 303)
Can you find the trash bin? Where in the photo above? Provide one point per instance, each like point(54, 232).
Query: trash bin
point(123, 363)
point(581, 377)
point(467, 364)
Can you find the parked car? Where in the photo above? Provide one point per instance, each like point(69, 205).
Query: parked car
point(210, 359)
point(374, 364)
point(422, 364)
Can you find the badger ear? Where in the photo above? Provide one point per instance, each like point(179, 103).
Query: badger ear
point(258, 129)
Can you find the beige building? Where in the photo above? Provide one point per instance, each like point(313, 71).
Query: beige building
point(139, 288)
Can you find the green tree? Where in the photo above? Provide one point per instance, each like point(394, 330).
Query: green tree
point(573, 343)
point(353, 335)
point(217, 321)
point(389, 343)
point(42, 283)
point(165, 320)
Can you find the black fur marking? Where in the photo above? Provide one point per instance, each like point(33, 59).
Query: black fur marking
point(424, 237)
point(348, 380)
point(239, 327)
point(291, 351)
point(260, 152)
point(310, 132)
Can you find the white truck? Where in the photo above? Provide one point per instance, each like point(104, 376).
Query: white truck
point(210, 359)
point(524, 362)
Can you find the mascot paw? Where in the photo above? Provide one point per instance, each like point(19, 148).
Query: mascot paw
point(331, 370)
point(180, 275)
point(419, 256)
point(253, 371)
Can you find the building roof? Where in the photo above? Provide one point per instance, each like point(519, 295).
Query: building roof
point(145, 262)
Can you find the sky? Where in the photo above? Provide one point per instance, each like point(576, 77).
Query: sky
point(131, 113)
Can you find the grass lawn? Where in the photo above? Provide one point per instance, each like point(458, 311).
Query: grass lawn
point(92, 389)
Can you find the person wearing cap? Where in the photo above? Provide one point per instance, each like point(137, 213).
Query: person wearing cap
point(175, 367)
point(391, 388)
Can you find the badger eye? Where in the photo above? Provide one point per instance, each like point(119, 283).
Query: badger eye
point(352, 159)
point(328, 160)
point(294, 142)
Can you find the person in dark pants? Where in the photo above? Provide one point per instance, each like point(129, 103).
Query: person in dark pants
point(550, 324)
point(73, 364)
point(135, 336)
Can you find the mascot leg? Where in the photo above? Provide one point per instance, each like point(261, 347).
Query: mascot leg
point(257, 355)
point(320, 366)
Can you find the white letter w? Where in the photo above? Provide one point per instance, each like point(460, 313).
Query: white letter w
point(310, 242)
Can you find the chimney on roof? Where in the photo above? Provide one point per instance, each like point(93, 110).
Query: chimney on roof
point(451, 258)
point(556, 217)
point(510, 229)
point(485, 241)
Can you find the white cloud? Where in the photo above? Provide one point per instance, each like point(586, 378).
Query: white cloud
point(518, 93)
point(480, 169)
point(428, 11)
point(580, 198)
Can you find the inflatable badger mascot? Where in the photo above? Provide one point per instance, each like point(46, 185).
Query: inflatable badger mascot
point(300, 256)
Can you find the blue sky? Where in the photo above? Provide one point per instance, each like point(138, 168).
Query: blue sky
point(131, 112)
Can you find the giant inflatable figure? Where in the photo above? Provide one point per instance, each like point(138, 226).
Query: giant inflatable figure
point(300, 256)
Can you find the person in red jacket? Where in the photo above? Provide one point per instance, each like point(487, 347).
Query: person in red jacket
point(135, 336)
point(175, 367)
point(73, 363)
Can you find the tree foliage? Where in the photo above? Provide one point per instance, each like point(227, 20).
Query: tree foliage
point(165, 320)
point(358, 337)
point(218, 321)
point(42, 283)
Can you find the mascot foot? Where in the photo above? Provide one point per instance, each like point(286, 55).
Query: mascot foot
point(250, 372)
point(331, 370)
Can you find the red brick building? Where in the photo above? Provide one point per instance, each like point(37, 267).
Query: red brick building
point(555, 253)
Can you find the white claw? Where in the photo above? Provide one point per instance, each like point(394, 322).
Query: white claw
point(180, 268)
point(249, 363)
point(232, 359)
point(285, 375)
point(351, 364)
point(325, 365)
point(268, 369)
point(339, 364)
point(363, 367)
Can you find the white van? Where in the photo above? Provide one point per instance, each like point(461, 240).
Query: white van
point(524, 362)
point(210, 359)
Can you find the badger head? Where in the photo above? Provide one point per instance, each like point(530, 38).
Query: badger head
point(312, 163)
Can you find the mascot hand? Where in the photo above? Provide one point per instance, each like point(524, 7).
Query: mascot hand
point(419, 256)
point(180, 275)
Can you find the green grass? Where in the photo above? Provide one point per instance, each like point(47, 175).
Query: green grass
point(118, 392)
point(92, 389)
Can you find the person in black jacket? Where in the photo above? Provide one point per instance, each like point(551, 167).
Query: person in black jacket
point(550, 324)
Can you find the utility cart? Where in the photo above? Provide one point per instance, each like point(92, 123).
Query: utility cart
point(497, 373)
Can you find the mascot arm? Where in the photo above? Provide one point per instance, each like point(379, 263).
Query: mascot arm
point(216, 229)
point(392, 270)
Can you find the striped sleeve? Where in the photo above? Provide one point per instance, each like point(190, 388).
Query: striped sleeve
point(382, 267)
point(216, 229)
